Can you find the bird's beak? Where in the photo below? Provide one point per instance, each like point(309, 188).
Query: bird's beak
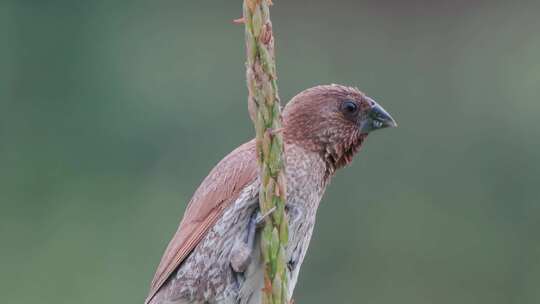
point(377, 118)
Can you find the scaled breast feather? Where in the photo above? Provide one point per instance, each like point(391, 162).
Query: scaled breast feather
point(221, 187)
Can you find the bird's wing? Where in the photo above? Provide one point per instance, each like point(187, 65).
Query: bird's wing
point(217, 191)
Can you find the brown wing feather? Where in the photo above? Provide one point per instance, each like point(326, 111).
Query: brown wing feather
point(221, 187)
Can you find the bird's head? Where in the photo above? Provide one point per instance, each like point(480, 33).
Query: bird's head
point(333, 120)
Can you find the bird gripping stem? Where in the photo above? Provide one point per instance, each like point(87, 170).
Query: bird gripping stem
point(265, 112)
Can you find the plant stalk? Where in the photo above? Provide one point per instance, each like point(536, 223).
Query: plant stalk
point(265, 112)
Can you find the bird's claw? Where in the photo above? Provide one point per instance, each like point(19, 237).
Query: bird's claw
point(260, 218)
point(243, 248)
point(240, 256)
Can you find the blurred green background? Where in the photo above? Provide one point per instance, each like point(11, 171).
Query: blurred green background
point(112, 112)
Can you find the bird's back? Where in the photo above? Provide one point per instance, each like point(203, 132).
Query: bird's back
point(217, 191)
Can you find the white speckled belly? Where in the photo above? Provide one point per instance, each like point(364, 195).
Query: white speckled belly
point(206, 275)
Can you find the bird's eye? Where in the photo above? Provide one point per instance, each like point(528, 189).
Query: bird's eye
point(349, 107)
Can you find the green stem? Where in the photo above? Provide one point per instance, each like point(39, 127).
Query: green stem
point(265, 111)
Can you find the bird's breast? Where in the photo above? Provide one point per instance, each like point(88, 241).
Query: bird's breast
point(207, 276)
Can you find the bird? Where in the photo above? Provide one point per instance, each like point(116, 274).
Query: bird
point(214, 257)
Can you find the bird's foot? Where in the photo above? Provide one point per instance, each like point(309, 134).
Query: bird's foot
point(240, 256)
point(261, 217)
point(243, 247)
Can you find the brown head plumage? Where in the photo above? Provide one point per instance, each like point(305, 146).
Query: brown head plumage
point(333, 120)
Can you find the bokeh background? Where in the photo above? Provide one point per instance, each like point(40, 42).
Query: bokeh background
point(112, 112)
